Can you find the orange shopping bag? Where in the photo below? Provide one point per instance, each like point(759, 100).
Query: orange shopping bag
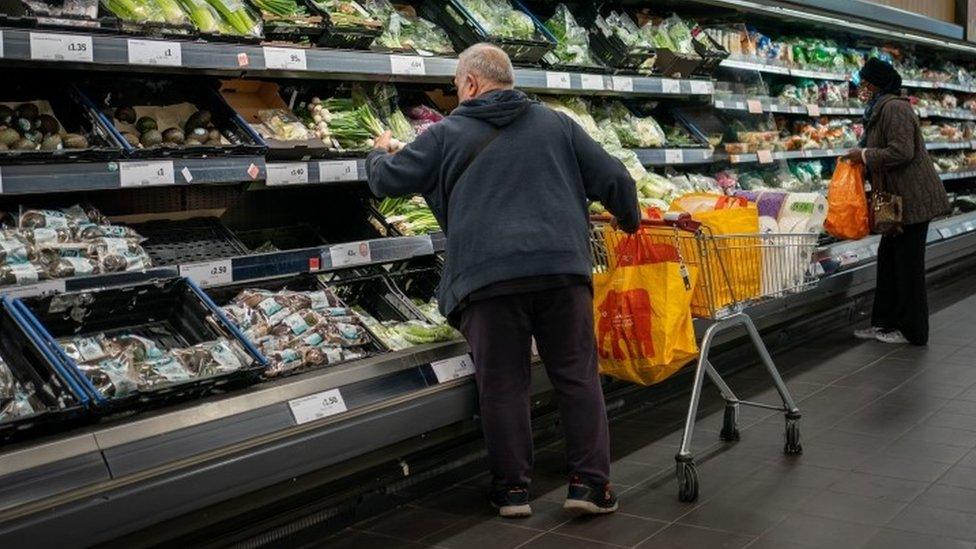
point(642, 314)
point(847, 204)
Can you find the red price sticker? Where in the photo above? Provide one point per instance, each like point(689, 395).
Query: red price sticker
point(754, 106)
point(765, 156)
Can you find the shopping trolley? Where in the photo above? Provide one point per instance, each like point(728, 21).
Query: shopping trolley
point(734, 272)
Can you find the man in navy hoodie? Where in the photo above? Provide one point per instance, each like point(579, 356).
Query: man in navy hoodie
point(509, 180)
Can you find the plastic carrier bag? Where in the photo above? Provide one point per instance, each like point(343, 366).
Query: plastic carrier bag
point(847, 204)
point(641, 310)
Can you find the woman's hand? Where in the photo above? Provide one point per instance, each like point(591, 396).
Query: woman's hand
point(854, 156)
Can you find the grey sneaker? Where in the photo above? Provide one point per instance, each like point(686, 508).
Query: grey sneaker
point(868, 333)
point(511, 502)
point(587, 499)
point(894, 337)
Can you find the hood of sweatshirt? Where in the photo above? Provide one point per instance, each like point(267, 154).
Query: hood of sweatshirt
point(499, 107)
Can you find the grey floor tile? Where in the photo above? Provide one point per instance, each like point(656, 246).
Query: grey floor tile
point(946, 496)
point(410, 523)
point(477, 533)
point(459, 500)
point(914, 448)
point(630, 473)
point(658, 502)
point(617, 529)
point(961, 476)
point(969, 460)
point(558, 541)
point(934, 521)
point(898, 539)
point(812, 531)
point(852, 508)
point(734, 517)
point(952, 420)
point(350, 539)
point(942, 435)
point(878, 487)
point(682, 536)
point(546, 515)
point(965, 407)
point(911, 469)
point(792, 471)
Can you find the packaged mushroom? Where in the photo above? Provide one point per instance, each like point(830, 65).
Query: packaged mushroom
point(16, 399)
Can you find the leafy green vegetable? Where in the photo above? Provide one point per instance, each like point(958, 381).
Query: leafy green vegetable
point(499, 18)
point(410, 216)
point(572, 40)
point(240, 20)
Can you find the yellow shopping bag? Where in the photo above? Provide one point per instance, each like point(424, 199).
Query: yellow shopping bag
point(643, 320)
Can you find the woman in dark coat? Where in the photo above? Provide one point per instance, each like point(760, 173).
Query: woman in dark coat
point(897, 162)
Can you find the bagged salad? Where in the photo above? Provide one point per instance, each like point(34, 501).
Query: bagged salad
point(499, 18)
point(404, 30)
point(572, 40)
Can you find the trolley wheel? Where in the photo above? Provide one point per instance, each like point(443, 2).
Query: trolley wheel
point(793, 446)
point(687, 474)
point(730, 431)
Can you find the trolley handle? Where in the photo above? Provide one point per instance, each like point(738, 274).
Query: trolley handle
point(679, 220)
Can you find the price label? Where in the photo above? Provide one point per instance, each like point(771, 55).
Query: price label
point(796, 110)
point(754, 106)
point(453, 368)
point(699, 87)
point(292, 59)
point(341, 170)
point(765, 156)
point(61, 47)
point(670, 85)
point(592, 82)
point(740, 106)
point(807, 153)
point(289, 173)
point(674, 156)
point(972, 144)
point(874, 248)
point(813, 110)
point(186, 174)
point(211, 273)
point(719, 104)
point(558, 80)
point(923, 113)
point(347, 255)
point(623, 84)
point(141, 174)
point(155, 52)
point(317, 406)
point(31, 290)
point(408, 65)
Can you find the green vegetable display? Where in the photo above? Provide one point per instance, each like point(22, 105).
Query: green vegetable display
point(402, 335)
point(147, 11)
point(348, 14)
point(572, 41)
point(203, 15)
point(344, 123)
point(500, 19)
point(238, 17)
point(280, 8)
point(632, 131)
point(403, 30)
point(410, 216)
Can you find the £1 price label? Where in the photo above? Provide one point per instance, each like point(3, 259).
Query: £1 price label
point(701, 87)
point(558, 80)
point(592, 82)
point(285, 59)
point(46, 46)
point(338, 170)
point(670, 85)
point(353, 253)
point(813, 110)
point(453, 368)
point(155, 52)
point(317, 406)
point(210, 273)
point(408, 65)
point(674, 156)
point(623, 84)
point(141, 174)
point(287, 173)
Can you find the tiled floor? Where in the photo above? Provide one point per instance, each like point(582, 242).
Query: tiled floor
point(889, 436)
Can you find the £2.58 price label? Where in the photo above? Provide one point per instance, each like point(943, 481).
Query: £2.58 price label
point(141, 174)
point(453, 368)
point(287, 173)
point(47, 46)
point(210, 273)
point(155, 52)
point(285, 59)
point(317, 406)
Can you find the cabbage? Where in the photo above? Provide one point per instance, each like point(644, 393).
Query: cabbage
point(518, 25)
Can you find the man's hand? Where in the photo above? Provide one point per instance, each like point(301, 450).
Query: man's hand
point(854, 156)
point(384, 142)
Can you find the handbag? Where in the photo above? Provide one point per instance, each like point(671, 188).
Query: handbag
point(886, 212)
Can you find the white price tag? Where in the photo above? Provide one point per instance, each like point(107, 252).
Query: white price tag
point(765, 156)
point(31, 290)
point(670, 85)
point(60, 47)
point(140, 174)
point(623, 84)
point(719, 104)
point(155, 52)
point(210, 273)
point(285, 59)
point(317, 406)
point(592, 82)
point(874, 248)
point(754, 106)
point(813, 110)
point(409, 65)
point(807, 153)
point(338, 170)
point(1, 180)
point(288, 173)
point(347, 255)
point(817, 268)
point(700, 87)
point(674, 156)
point(740, 106)
point(453, 368)
point(558, 80)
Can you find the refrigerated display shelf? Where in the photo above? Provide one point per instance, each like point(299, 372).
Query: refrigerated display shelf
point(771, 105)
point(110, 480)
point(749, 158)
point(113, 52)
point(773, 68)
point(965, 174)
point(674, 157)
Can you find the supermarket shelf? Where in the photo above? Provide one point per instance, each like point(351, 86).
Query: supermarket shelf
point(772, 68)
point(315, 172)
point(949, 176)
point(771, 105)
point(824, 153)
point(673, 157)
point(115, 51)
point(91, 176)
point(111, 480)
point(952, 114)
point(926, 85)
point(951, 145)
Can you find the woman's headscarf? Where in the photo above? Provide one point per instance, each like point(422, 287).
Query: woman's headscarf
point(883, 76)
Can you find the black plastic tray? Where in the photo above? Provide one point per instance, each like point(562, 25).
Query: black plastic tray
point(188, 241)
point(290, 237)
point(333, 36)
point(103, 95)
point(173, 312)
point(29, 363)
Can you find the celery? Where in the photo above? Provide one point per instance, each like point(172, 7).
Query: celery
point(236, 16)
point(172, 12)
point(201, 14)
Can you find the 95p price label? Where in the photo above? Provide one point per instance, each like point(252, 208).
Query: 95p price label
point(210, 273)
point(317, 406)
point(46, 46)
point(155, 52)
point(285, 59)
point(288, 173)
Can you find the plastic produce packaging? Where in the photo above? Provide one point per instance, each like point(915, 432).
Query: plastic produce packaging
point(399, 335)
point(572, 41)
point(632, 131)
point(404, 30)
point(410, 216)
point(16, 399)
point(148, 11)
point(500, 19)
point(348, 14)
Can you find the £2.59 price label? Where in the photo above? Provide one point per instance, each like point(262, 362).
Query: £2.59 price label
point(317, 406)
point(285, 59)
point(453, 368)
point(141, 174)
point(211, 273)
point(47, 46)
point(155, 52)
point(353, 253)
point(287, 173)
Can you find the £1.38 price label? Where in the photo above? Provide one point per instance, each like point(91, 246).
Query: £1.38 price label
point(210, 273)
point(287, 173)
point(47, 46)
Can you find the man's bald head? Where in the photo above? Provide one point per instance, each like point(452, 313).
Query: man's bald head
point(481, 68)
